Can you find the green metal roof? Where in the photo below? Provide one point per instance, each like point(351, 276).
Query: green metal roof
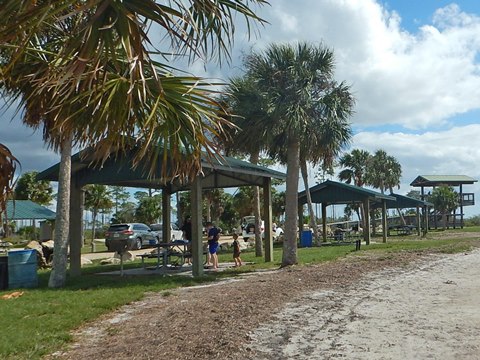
point(404, 202)
point(219, 172)
point(27, 210)
point(437, 180)
point(333, 192)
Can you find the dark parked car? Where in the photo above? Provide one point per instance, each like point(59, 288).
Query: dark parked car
point(136, 234)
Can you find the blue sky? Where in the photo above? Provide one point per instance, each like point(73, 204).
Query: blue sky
point(413, 67)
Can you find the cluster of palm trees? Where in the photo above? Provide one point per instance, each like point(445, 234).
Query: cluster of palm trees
point(379, 170)
point(289, 106)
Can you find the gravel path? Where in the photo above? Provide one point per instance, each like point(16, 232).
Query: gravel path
point(429, 310)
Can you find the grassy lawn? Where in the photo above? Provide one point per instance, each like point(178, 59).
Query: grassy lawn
point(40, 321)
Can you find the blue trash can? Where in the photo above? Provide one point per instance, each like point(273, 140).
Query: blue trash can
point(22, 269)
point(306, 238)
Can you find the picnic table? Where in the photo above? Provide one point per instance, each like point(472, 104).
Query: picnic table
point(166, 251)
point(402, 229)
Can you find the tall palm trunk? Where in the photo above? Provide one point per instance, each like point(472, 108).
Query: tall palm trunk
point(289, 256)
point(60, 249)
point(94, 220)
point(313, 220)
point(256, 210)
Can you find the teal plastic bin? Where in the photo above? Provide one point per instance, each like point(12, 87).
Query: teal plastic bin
point(306, 239)
point(22, 269)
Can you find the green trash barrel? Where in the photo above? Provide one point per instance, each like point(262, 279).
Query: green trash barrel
point(22, 269)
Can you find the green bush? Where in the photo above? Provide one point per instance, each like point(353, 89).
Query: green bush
point(29, 232)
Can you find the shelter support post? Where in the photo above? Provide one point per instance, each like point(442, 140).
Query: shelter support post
point(366, 229)
point(418, 221)
point(324, 222)
point(384, 220)
point(166, 209)
point(197, 243)
point(267, 216)
point(461, 209)
point(76, 228)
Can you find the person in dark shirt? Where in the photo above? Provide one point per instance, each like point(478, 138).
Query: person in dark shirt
point(213, 237)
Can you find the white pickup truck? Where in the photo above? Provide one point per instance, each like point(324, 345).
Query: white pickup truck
point(248, 228)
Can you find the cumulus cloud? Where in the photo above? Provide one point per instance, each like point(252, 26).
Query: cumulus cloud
point(416, 79)
point(451, 152)
point(410, 79)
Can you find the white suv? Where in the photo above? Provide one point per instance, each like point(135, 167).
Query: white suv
point(248, 229)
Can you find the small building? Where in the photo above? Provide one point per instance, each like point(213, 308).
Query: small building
point(27, 210)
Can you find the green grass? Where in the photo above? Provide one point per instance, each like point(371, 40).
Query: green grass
point(40, 321)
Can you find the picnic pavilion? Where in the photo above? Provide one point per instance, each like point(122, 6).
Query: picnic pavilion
point(466, 199)
point(118, 170)
point(406, 202)
point(333, 192)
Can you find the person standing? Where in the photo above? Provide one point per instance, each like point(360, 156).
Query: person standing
point(236, 251)
point(187, 236)
point(213, 235)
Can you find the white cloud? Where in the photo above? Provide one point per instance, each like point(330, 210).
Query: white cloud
point(419, 80)
point(412, 79)
point(451, 152)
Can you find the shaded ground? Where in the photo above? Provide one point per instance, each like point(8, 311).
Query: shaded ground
point(317, 304)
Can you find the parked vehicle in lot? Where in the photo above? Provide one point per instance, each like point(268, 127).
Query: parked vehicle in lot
point(136, 234)
point(248, 229)
point(175, 232)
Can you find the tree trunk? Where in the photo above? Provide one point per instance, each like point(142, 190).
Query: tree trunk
point(258, 222)
point(256, 211)
point(60, 250)
point(362, 216)
point(209, 206)
point(313, 220)
point(94, 219)
point(289, 256)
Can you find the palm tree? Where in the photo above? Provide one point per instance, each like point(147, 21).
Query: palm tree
point(247, 106)
point(97, 197)
point(324, 142)
point(88, 72)
point(355, 167)
point(8, 165)
point(293, 79)
point(384, 171)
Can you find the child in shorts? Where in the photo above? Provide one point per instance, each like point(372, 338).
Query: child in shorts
point(236, 251)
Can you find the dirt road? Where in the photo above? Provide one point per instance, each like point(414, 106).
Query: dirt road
point(428, 310)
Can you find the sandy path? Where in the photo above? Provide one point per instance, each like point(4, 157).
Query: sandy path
point(428, 310)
